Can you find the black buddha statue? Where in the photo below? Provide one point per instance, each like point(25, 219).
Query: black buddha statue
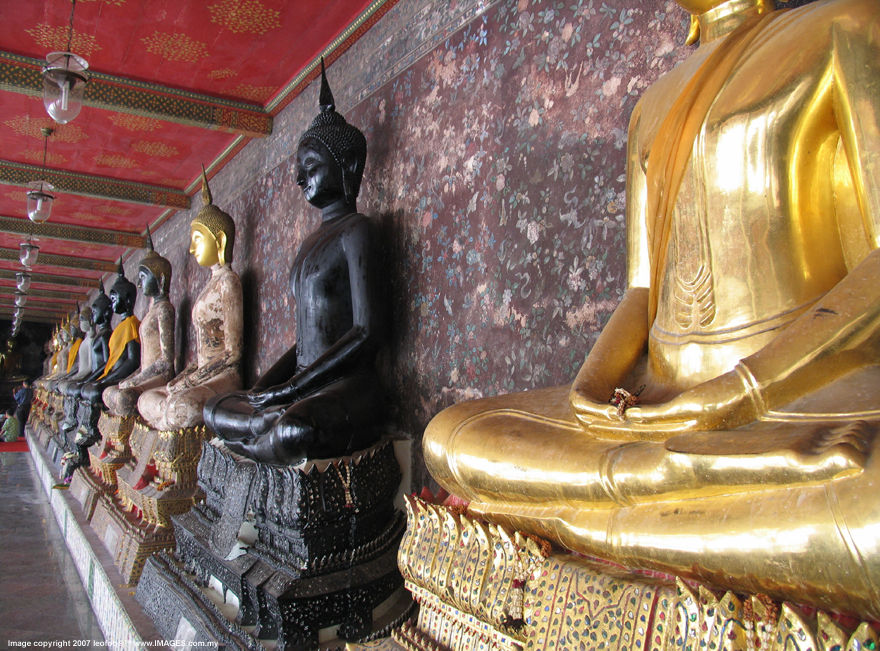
point(76, 456)
point(102, 312)
point(124, 347)
point(322, 398)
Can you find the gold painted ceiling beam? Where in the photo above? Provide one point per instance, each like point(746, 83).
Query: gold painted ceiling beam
point(90, 185)
point(82, 284)
point(63, 261)
point(20, 74)
point(71, 233)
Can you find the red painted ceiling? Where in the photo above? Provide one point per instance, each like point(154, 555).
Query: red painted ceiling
point(242, 50)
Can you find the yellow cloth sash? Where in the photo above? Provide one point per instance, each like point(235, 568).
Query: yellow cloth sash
point(71, 356)
point(672, 147)
point(122, 334)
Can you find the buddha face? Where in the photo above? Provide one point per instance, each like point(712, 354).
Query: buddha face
point(101, 309)
point(318, 174)
point(85, 325)
point(147, 282)
point(122, 296)
point(203, 246)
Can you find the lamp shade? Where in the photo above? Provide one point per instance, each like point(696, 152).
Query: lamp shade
point(64, 81)
point(23, 281)
point(28, 253)
point(39, 201)
point(20, 299)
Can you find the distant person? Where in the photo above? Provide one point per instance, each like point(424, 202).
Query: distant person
point(11, 429)
point(23, 395)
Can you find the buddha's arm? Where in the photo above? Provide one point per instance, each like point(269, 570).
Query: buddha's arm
point(619, 346)
point(359, 340)
point(164, 362)
point(841, 332)
point(281, 371)
point(233, 327)
point(625, 337)
point(99, 359)
point(126, 365)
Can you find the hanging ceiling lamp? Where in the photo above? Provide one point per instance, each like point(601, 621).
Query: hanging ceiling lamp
point(22, 281)
point(64, 80)
point(39, 197)
point(20, 298)
point(28, 252)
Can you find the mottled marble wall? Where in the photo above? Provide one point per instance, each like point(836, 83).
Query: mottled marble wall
point(497, 135)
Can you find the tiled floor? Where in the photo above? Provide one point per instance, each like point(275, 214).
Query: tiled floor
point(41, 596)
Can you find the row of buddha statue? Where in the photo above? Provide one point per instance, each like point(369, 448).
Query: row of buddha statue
point(320, 399)
point(724, 425)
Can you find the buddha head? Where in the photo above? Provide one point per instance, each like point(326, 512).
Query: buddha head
point(212, 232)
point(331, 155)
point(73, 325)
point(154, 272)
point(64, 332)
point(85, 319)
point(101, 307)
point(122, 293)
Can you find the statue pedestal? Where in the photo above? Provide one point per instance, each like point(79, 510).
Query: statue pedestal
point(105, 458)
point(157, 481)
point(37, 421)
point(113, 451)
point(322, 561)
point(478, 586)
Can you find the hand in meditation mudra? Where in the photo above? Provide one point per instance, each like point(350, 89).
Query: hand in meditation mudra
point(322, 398)
point(217, 320)
point(742, 361)
point(156, 334)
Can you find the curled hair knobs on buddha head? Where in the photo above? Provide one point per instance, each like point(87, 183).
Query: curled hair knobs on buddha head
point(215, 221)
point(346, 143)
point(124, 288)
point(157, 265)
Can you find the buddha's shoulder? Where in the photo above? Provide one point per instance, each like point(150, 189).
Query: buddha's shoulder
point(224, 279)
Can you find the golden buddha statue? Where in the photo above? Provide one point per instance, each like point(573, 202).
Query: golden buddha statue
point(724, 425)
point(218, 321)
point(156, 333)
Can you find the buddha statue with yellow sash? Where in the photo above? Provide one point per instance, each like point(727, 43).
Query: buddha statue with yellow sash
point(724, 425)
point(218, 321)
point(74, 338)
point(156, 334)
point(123, 355)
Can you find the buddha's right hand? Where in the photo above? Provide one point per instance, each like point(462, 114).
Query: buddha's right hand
point(617, 350)
point(272, 396)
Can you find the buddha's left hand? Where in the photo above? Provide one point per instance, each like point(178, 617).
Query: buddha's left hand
point(725, 402)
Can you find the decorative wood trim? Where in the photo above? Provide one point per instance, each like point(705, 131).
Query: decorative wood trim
point(72, 233)
point(21, 74)
point(67, 261)
point(90, 185)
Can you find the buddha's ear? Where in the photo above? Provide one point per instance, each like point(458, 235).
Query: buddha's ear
point(349, 173)
point(693, 31)
point(221, 247)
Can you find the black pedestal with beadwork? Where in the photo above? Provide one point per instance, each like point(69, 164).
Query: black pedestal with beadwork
point(325, 553)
